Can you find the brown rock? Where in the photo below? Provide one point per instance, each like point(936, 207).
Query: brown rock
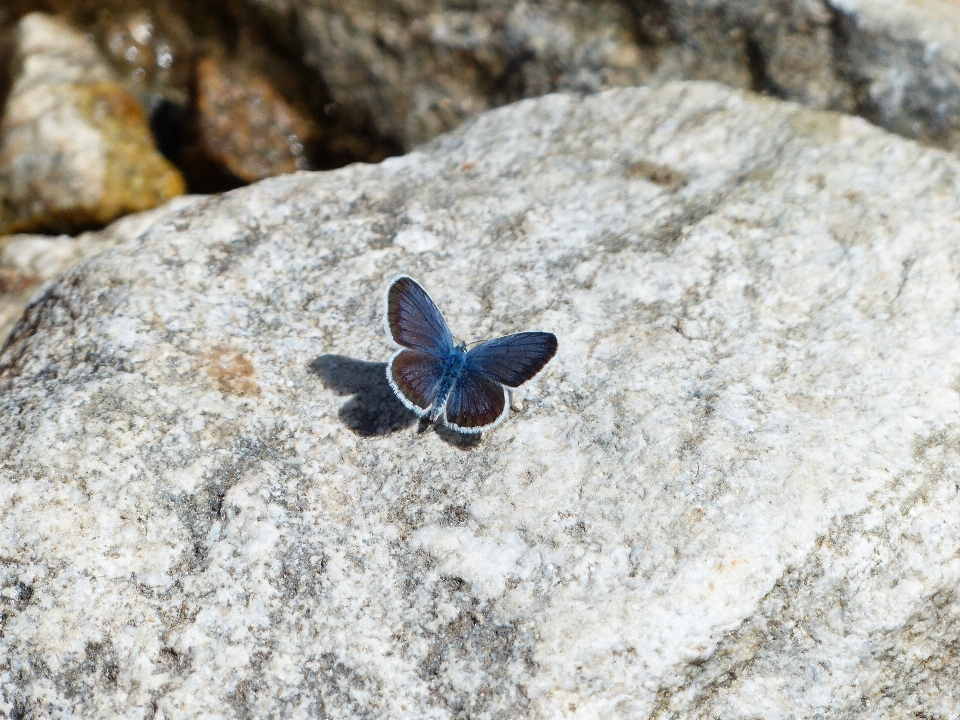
point(244, 126)
point(76, 148)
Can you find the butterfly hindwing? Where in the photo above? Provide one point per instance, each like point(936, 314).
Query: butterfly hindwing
point(414, 321)
point(475, 403)
point(514, 359)
point(415, 376)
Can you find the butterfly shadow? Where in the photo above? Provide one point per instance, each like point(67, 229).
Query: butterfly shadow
point(373, 408)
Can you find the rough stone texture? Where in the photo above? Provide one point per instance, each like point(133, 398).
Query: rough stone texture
point(413, 69)
point(27, 262)
point(733, 493)
point(75, 147)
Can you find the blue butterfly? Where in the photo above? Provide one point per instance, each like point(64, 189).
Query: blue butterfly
point(437, 378)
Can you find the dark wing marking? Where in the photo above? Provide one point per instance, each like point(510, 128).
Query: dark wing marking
point(475, 403)
point(414, 377)
point(414, 321)
point(514, 359)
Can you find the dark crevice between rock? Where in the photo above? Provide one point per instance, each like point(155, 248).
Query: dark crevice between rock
point(652, 22)
point(760, 81)
point(842, 38)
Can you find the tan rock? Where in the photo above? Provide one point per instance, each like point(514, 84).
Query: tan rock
point(76, 149)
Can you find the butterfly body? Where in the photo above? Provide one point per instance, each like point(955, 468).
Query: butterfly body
point(442, 380)
point(453, 367)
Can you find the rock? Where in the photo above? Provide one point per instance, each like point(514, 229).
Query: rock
point(76, 148)
point(415, 69)
point(897, 64)
point(27, 262)
point(903, 60)
point(732, 493)
point(245, 129)
point(152, 51)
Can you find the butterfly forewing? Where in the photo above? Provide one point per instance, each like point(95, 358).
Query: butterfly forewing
point(414, 321)
point(514, 359)
point(415, 375)
point(475, 402)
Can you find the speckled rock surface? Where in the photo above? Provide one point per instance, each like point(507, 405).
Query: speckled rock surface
point(27, 262)
point(75, 146)
point(733, 493)
point(416, 68)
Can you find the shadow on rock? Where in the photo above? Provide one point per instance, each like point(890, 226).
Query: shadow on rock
point(374, 408)
point(462, 441)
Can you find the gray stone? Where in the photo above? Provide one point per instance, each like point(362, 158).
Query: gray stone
point(413, 69)
point(733, 493)
point(895, 63)
point(28, 262)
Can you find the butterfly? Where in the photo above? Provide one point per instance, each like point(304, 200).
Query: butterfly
point(440, 379)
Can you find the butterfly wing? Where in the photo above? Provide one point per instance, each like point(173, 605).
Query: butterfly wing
point(415, 377)
point(475, 403)
point(514, 359)
point(414, 321)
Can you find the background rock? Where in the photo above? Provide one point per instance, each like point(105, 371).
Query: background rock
point(413, 70)
point(75, 146)
point(379, 77)
point(245, 129)
point(153, 47)
point(733, 493)
point(895, 63)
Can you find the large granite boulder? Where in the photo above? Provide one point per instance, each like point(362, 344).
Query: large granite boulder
point(733, 493)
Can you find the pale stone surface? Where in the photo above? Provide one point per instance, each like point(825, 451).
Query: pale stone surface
point(27, 262)
point(75, 146)
point(415, 68)
point(733, 493)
